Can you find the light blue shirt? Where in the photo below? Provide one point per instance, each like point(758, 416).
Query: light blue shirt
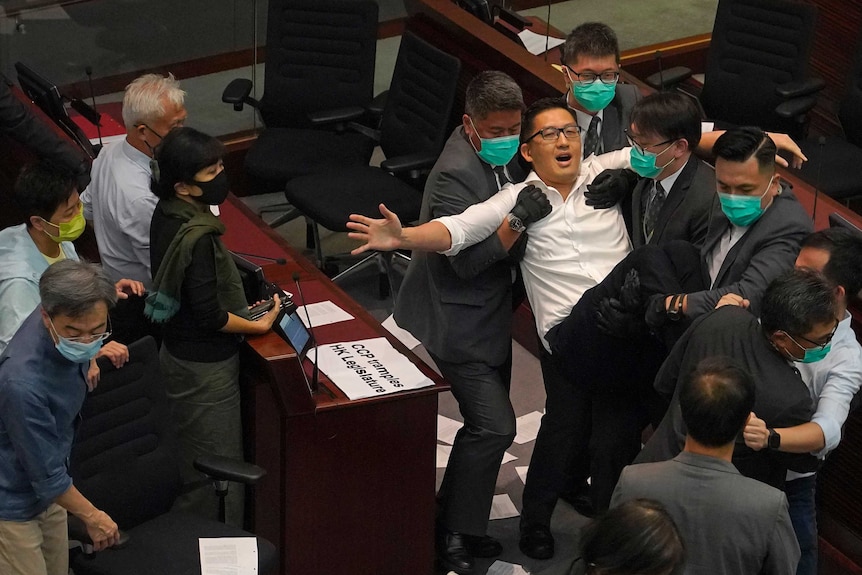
point(21, 266)
point(120, 204)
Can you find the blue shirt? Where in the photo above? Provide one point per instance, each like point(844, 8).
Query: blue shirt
point(41, 393)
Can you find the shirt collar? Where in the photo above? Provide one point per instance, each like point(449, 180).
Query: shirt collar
point(136, 156)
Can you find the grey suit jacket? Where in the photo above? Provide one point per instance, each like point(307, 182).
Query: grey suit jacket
point(768, 249)
point(686, 212)
point(730, 524)
point(617, 117)
point(460, 307)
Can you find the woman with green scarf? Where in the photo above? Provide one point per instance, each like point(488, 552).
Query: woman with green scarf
point(197, 297)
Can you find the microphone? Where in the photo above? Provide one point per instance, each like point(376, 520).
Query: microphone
point(279, 261)
point(548, 31)
point(315, 374)
point(821, 141)
point(660, 71)
point(89, 71)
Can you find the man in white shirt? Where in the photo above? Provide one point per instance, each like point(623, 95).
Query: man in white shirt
point(118, 200)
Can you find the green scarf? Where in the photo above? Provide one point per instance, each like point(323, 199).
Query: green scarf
point(163, 301)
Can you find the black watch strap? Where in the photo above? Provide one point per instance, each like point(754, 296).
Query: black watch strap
point(774, 440)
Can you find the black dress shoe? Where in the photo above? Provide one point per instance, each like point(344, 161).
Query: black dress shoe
point(581, 501)
point(452, 553)
point(536, 541)
point(484, 546)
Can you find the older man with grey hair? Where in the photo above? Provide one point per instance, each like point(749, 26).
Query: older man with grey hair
point(43, 382)
point(118, 200)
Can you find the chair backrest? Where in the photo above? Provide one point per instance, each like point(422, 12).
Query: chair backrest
point(850, 108)
point(320, 55)
point(756, 45)
point(416, 118)
point(123, 455)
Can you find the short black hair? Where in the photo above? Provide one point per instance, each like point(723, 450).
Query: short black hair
point(669, 115)
point(42, 187)
point(739, 144)
point(844, 267)
point(536, 108)
point(637, 537)
point(796, 301)
point(715, 401)
point(590, 39)
point(492, 91)
point(181, 154)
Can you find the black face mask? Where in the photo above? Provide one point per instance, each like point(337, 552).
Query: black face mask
point(214, 191)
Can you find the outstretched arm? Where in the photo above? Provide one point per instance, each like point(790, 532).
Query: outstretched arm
point(386, 234)
point(782, 142)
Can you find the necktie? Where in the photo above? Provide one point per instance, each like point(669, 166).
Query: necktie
point(591, 140)
point(653, 208)
point(502, 177)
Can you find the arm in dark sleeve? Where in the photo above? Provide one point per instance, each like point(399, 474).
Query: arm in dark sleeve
point(24, 126)
point(200, 288)
point(451, 195)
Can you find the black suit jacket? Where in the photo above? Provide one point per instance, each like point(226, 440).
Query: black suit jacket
point(686, 212)
point(460, 307)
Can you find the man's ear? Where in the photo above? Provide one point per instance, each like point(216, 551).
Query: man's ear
point(525, 152)
point(37, 223)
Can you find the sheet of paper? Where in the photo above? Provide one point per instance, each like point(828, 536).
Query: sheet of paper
point(706, 127)
point(369, 367)
point(447, 428)
point(400, 334)
point(228, 555)
point(522, 472)
point(323, 313)
point(528, 427)
point(443, 452)
point(507, 457)
point(503, 508)
point(503, 568)
point(535, 43)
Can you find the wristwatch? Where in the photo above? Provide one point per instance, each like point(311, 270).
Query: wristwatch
point(774, 441)
point(674, 308)
point(515, 223)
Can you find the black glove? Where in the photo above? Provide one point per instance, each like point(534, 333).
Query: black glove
point(609, 187)
point(613, 320)
point(532, 205)
point(630, 293)
point(656, 312)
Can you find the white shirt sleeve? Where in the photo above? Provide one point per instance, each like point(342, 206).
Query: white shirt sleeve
point(480, 220)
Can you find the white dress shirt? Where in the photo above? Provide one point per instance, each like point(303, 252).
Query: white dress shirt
point(568, 252)
point(120, 204)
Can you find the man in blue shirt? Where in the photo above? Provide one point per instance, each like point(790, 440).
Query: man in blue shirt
point(43, 382)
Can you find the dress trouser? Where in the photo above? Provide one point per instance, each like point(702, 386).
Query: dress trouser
point(36, 547)
point(482, 392)
point(599, 387)
point(205, 410)
point(803, 515)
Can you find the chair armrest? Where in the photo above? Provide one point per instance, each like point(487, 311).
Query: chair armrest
point(225, 468)
point(335, 115)
point(805, 87)
point(796, 107)
point(377, 104)
point(669, 78)
point(237, 93)
point(408, 163)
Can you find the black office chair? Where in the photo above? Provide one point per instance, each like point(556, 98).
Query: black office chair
point(757, 66)
point(415, 123)
point(123, 461)
point(319, 75)
point(833, 165)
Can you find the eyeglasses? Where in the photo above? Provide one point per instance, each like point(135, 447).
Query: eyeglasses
point(814, 343)
point(644, 149)
point(550, 134)
point(84, 338)
point(606, 77)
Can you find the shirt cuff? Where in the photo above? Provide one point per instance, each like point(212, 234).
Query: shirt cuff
point(455, 233)
point(831, 433)
point(52, 487)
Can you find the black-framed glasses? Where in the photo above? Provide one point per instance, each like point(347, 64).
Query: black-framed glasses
point(606, 77)
point(645, 149)
point(816, 345)
point(550, 134)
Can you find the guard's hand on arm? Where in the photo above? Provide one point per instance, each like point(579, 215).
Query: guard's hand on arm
point(630, 293)
point(532, 205)
point(609, 187)
point(382, 234)
point(614, 320)
point(732, 299)
point(786, 143)
point(755, 433)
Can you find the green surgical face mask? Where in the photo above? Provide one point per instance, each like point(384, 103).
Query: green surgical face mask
point(496, 151)
point(594, 96)
point(71, 230)
point(742, 211)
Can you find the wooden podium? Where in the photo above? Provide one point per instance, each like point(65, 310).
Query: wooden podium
point(350, 485)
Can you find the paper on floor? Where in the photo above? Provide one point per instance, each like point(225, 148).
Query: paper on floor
point(447, 428)
point(503, 508)
point(503, 568)
point(228, 555)
point(528, 427)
